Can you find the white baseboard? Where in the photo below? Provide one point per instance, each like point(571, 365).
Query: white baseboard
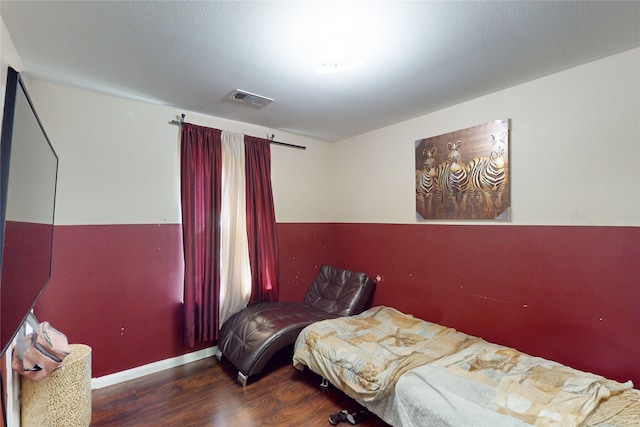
point(152, 368)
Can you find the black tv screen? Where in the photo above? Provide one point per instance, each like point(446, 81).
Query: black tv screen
point(28, 176)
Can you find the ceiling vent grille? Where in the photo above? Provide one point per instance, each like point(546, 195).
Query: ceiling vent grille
point(250, 98)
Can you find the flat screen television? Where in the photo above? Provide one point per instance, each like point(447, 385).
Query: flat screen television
point(28, 177)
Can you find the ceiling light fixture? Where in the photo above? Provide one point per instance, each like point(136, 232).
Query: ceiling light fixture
point(336, 37)
point(337, 53)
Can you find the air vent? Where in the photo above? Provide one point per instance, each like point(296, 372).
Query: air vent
point(250, 98)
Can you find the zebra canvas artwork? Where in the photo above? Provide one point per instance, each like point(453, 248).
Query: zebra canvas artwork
point(464, 174)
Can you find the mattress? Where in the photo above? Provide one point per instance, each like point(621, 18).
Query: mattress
point(415, 373)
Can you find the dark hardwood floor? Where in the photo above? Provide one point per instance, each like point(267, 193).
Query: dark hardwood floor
point(206, 393)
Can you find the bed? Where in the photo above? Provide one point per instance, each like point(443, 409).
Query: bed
point(411, 372)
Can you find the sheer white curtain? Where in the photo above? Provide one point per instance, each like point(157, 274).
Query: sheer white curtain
point(235, 269)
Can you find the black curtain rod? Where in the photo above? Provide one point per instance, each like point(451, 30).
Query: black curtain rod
point(300, 147)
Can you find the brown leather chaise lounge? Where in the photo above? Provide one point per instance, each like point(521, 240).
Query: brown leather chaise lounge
point(249, 338)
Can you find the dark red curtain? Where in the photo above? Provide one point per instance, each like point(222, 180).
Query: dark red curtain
point(201, 193)
point(261, 220)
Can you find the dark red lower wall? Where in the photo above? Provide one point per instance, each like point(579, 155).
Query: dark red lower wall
point(118, 289)
point(302, 248)
point(565, 293)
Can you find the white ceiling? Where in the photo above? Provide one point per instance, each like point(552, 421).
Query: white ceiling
point(418, 56)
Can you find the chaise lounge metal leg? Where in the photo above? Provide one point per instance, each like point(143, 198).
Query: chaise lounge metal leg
point(242, 378)
point(324, 383)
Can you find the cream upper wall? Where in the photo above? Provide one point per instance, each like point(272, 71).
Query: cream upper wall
point(119, 160)
point(574, 151)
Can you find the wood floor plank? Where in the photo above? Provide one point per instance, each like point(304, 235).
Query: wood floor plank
point(206, 393)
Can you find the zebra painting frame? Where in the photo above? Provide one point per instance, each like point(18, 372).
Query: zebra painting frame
point(464, 174)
